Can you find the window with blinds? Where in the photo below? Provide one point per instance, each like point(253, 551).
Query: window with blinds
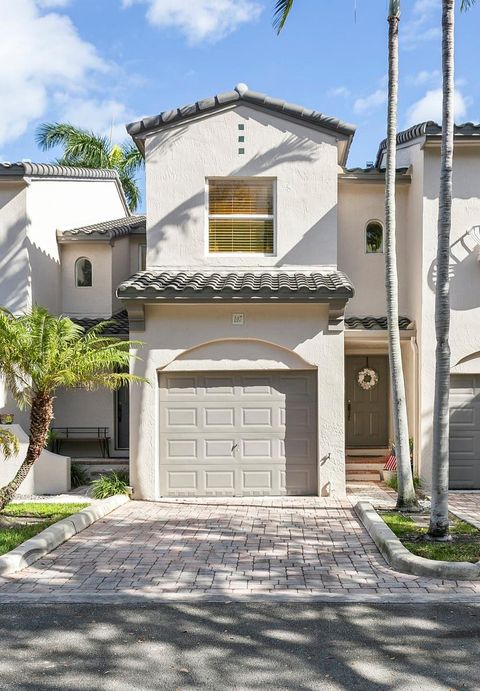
point(240, 215)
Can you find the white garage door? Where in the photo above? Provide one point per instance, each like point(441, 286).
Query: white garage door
point(465, 431)
point(238, 434)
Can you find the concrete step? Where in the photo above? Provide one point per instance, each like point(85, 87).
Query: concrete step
point(366, 452)
point(356, 467)
point(363, 475)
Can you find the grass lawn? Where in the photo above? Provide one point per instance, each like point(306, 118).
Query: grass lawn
point(32, 518)
point(465, 544)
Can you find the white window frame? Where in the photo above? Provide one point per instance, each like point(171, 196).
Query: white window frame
point(382, 225)
point(259, 217)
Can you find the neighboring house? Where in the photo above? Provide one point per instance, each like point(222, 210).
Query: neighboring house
point(262, 304)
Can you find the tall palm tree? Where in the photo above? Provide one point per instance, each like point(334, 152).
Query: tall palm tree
point(85, 149)
point(406, 499)
point(42, 353)
point(439, 523)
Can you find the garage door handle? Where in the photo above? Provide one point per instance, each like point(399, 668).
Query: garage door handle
point(234, 447)
point(349, 410)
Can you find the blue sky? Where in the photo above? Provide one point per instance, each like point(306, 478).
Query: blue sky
point(102, 63)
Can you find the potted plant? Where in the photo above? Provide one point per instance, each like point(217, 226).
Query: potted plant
point(7, 418)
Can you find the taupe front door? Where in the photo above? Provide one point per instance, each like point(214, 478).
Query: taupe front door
point(366, 414)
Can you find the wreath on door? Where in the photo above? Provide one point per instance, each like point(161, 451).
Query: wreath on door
point(367, 378)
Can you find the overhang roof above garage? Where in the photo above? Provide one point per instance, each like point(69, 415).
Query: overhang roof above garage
point(199, 286)
point(333, 288)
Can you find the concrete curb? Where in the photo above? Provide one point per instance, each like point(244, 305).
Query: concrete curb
point(404, 561)
point(53, 536)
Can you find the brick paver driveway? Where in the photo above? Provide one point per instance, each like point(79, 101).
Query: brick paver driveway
point(231, 548)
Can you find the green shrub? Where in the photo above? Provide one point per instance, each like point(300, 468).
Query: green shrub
point(392, 482)
point(78, 475)
point(110, 484)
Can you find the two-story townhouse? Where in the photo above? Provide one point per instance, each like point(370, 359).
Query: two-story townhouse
point(261, 304)
point(60, 248)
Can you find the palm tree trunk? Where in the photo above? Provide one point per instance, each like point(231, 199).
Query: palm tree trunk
point(406, 498)
point(41, 416)
point(439, 522)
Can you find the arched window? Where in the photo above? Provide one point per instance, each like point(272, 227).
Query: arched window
point(83, 272)
point(374, 237)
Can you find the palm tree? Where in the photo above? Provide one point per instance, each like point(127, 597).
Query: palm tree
point(85, 149)
point(42, 353)
point(439, 523)
point(406, 498)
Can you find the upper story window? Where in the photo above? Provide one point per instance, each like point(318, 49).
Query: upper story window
point(241, 215)
point(142, 257)
point(374, 237)
point(83, 272)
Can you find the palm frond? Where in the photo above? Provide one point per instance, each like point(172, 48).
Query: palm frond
point(42, 353)
point(467, 4)
point(131, 189)
point(280, 14)
point(133, 160)
point(80, 147)
point(9, 444)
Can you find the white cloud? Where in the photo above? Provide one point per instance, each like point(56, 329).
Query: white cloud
point(40, 53)
point(424, 77)
point(429, 107)
point(370, 102)
point(200, 20)
point(424, 24)
point(338, 91)
point(102, 116)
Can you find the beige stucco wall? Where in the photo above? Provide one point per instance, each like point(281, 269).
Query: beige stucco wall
point(465, 277)
point(61, 204)
point(49, 475)
point(303, 162)
point(14, 262)
point(94, 300)
point(306, 343)
point(359, 203)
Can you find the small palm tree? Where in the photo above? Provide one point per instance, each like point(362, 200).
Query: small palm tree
point(406, 498)
point(42, 353)
point(85, 149)
point(439, 523)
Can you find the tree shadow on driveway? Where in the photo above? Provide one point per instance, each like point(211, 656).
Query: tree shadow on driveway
point(238, 646)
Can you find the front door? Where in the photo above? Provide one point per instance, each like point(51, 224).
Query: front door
point(123, 417)
point(366, 412)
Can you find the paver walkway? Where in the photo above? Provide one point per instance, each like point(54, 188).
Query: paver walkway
point(226, 548)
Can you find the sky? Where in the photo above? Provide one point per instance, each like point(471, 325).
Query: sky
point(103, 63)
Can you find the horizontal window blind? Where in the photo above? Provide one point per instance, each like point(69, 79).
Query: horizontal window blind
point(240, 215)
point(241, 235)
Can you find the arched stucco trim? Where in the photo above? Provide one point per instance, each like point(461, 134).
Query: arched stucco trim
point(469, 364)
point(238, 354)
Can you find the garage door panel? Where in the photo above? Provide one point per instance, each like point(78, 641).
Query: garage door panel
point(465, 432)
point(237, 434)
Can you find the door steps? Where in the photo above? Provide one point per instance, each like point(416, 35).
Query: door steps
point(364, 468)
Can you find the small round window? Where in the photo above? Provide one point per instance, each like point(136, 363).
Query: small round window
point(374, 237)
point(83, 273)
